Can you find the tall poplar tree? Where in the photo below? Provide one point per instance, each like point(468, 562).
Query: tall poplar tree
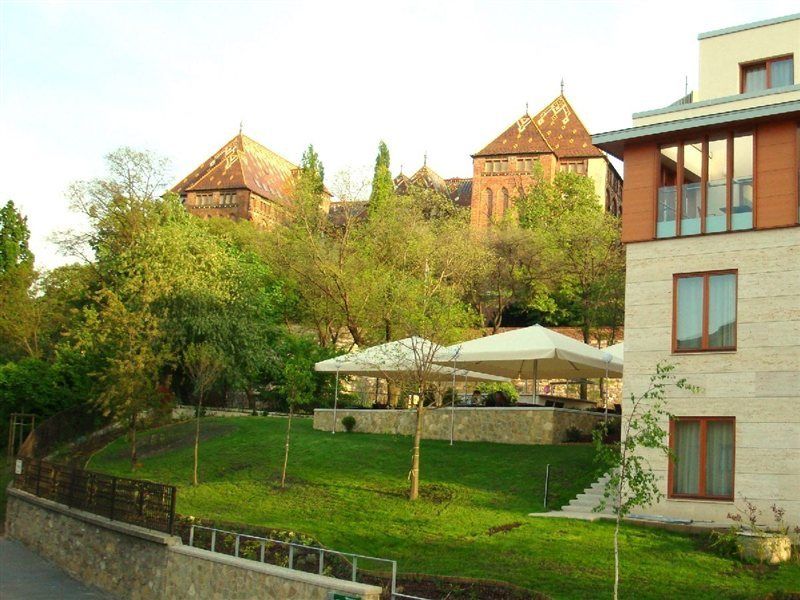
point(382, 183)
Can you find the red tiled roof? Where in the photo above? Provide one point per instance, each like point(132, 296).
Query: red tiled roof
point(521, 137)
point(243, 163)
point(564, 132)
point(555, 129)
point(460, 190)
point(428, 178)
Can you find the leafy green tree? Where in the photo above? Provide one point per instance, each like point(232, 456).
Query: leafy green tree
point(205, 366)
point(19, 316)
point(382, 182)
point(298, 386)
point(632, 481)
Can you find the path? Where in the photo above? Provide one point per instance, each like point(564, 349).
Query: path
point(25, 575)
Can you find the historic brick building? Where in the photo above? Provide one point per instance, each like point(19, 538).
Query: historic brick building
point(556, 139)
point(242, 180)
point(458, 189)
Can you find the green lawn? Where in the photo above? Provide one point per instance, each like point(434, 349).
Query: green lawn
point(347, 491)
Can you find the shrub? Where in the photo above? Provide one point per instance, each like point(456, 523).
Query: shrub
point(504, 387)
point(573, 434)
point(349, 423)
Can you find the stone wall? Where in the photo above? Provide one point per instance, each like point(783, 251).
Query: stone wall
point(135, 563)
point(507, 425)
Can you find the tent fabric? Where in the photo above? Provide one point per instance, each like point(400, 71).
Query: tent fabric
point(617, 351)
point(534, 352)
point(402, 358)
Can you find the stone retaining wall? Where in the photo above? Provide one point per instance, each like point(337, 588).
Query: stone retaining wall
point(506, 425)
point(136, 563)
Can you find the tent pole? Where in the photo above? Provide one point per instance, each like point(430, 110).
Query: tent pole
point(535, 380)
point(453, 404)
point(335, 401)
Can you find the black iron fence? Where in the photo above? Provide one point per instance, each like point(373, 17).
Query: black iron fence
point(143, 503)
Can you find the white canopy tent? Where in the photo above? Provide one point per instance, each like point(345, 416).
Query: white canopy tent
point(617, 351)
point(534, 352)
point(412, 357)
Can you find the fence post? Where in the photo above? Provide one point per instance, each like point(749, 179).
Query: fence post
point(173, 497)
point(394, 578)
point(262, 551)
point(321, 559)
point(213, 539)
point(191, 535)
point(38, 476)
point(291, 556)
point(236, 546)
point(113, 497)
point(355, 568)
point(546, 484)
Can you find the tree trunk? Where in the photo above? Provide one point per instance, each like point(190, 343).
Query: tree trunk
point(616, 559)
point(286, 454)
point(413, 493)
point(133, 443)
point(197, 438)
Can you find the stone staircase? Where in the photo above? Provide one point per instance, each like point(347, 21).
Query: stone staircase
point(586, 502)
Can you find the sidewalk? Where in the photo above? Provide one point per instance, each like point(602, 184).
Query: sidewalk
point(25, 575)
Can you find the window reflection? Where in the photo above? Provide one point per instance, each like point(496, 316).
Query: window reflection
point(667, 192)
point(690, 192)
point(742, 183)
point(716, 194)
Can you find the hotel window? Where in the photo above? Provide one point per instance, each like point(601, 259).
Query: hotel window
point(574, 166)
point(704, 312)
point(767, 74)
point(705, 185)
point(703, 450)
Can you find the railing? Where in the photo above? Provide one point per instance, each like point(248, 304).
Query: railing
point(143, 503)
point(301, 557)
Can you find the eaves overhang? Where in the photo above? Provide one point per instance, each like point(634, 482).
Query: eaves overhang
point(614, 142)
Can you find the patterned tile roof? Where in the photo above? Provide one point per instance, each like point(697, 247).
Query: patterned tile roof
point(564, 132)
point(555, 129)
point(460, 190)
point(243, 163)
point(428, 178)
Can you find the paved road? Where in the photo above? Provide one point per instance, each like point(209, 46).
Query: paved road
point(25, 575)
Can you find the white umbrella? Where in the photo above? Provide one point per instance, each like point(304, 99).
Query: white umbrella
point(409, 357)
point(535, 351)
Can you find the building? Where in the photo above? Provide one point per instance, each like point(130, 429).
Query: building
point(242, 180)
point(713, 272)
point(458, 189)
point(554, 138)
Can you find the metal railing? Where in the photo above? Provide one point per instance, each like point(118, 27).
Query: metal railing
point(300, 557)
point(134, 501)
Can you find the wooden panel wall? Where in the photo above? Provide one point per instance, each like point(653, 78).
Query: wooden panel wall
point(776, 175)
point(639, 192)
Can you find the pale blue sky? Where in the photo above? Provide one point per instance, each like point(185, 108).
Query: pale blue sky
point(79, 79)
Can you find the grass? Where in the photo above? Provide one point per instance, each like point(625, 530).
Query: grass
point(348, 491)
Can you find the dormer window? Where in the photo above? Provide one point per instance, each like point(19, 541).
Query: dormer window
point(767, 74)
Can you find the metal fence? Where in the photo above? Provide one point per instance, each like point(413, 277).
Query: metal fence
point(143, 503)
point(311, 559)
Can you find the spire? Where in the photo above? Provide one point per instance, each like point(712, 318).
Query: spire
point(562, 86)
point(526, 108)
point(425, 159)
point(241, 126)
point(401, 168)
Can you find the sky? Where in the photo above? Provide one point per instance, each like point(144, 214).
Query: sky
point(80, 79)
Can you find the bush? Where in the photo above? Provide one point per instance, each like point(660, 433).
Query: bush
point(573, 435)
point(349, 423)
point(504, 387)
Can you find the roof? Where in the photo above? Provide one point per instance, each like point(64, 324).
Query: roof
point(460, 190)
point(428, 178)
point(401, 183)
point(613, 142)
point(555, 129)
point(746, 26)
point(243, 163)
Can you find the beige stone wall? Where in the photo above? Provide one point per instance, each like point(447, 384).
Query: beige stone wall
point(758, 384)
point(501, 425)
point(135, 563)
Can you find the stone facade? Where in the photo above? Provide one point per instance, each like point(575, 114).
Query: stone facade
point(757, 384)
point(508, 425)
point(135, 563)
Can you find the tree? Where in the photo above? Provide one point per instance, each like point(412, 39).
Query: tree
point(298, 386)
point(205, 366)
point(632, 482)
point(382, 182)
point(19, 316)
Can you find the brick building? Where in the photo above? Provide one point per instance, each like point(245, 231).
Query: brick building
point(242, 180)
point(556, 139)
